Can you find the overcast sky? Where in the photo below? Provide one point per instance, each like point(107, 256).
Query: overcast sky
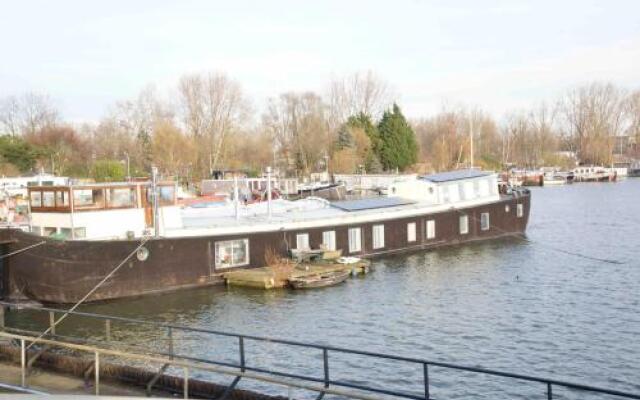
point(497, 55)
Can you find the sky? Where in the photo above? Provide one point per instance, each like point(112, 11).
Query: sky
point(498, 56)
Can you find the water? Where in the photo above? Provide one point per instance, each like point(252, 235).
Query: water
point(508, 305)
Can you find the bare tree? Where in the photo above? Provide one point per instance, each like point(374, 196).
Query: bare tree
point(297, 124)
point(594, 116)
point(361, 92)
point(27, 114)
point(213, 106)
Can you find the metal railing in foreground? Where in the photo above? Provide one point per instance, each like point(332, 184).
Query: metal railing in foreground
point(241, 369)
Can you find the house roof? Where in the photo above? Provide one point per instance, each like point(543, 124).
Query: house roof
point(455, 175)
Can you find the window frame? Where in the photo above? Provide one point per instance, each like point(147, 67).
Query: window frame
point(485, 225)
point(304, 235)
point(377, 236)
point(351, 233)
point(411, 232)
point(220, 265)
point(430, 229)
point(463, 229)
point(331, 246)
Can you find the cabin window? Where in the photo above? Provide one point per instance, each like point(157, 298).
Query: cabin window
point(468, 191)
point(36, 199)
point(484, 221)
point(167, 195)
point(329, 240)
point(62, 199)
point(411, 232)
point(80, 233)
point(232, 253)
point(36, 229)
point(378, 236)
point(520, 210)
point(431, 229)
point(121, 197)
point(48, 199)
point(66, 232)
point(88, 199)
point(464, 224)
point(302, 241)
point(355, 240)
point(49, 230)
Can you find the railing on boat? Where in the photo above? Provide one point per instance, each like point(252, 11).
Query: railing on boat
point(323, 385)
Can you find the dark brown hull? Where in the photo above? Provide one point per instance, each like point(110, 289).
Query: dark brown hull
point(65, 271)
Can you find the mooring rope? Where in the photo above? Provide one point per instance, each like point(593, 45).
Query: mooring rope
point(545, 245)
point(92, 291)
point(22, 250)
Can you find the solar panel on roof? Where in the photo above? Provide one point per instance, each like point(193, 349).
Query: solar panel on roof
point(455, 175)
point(369, 204)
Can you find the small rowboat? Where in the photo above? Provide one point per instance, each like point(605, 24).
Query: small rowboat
point(319, 280)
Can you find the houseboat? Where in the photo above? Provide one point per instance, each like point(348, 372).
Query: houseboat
point(594, 174)
point(79, 234)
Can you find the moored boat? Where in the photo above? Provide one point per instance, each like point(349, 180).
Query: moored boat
point(594, 174)
point(320, 280)
point(80, 234)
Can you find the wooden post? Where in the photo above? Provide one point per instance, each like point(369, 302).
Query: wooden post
point(2, 311)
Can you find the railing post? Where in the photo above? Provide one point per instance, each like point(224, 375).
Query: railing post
point(549, 392)
point(325, 357)
point(241, 344)
point(170, 334)
point(96, 372)
point(186, 383)
point(425, 369)
point(23, 364)
point(2, 312)
point(107, 330)
point(52, 322)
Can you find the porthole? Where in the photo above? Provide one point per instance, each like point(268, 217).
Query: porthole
point(142, 254)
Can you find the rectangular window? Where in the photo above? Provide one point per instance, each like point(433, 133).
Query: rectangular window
point(302, 241)
point(329, 240)
point(411, 232)
point(464, 224)
point(232, 253)
point(80, 233)
point(121, 197)
point(36, 199)
point(49, 230)
point(48, 199)
point(87, 199)
point(484, 188)
point(520, 211)
point(378, 236)
point(36, 229)
point(62, 199)
point(431, 229)
point(484, 221)
point(355, 240)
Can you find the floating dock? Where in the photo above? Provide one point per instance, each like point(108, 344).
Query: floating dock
point(276, 278)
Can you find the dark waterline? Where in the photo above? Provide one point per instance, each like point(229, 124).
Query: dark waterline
point(509, 305)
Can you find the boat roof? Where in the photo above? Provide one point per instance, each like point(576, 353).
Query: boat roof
point(370, 203)
point(455, 175)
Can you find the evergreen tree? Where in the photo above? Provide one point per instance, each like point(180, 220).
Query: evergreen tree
point(345, 138)
point(398, 146)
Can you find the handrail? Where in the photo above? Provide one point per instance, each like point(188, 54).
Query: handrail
point(424, 363)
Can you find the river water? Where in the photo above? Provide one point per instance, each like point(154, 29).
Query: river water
point(512, 305)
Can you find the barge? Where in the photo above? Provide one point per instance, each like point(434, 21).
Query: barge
point(80, 234)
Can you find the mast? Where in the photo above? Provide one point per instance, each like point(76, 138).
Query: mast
point(471, 140)
point(269, 192)
point(154, 189)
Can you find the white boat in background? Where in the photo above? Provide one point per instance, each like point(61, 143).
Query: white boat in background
point(594, 174)
point(554, 178)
